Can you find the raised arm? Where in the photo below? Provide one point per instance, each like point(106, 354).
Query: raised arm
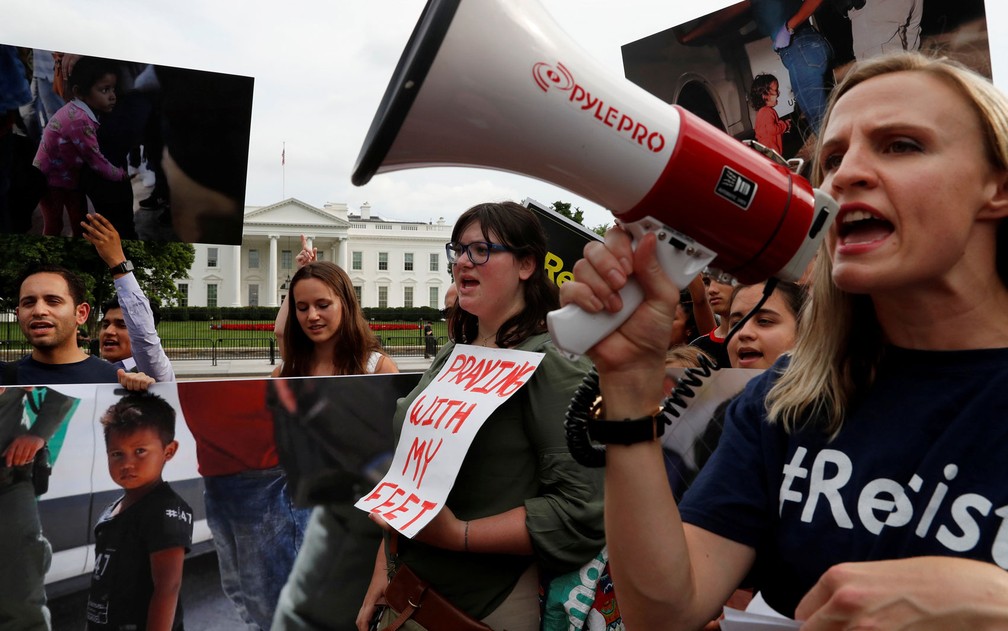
point(148, 353)
point(669, 575)
point(702, 312)
point(304, 257)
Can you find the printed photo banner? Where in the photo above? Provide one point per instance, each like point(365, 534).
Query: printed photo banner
point(565, 240)
point(440, 426)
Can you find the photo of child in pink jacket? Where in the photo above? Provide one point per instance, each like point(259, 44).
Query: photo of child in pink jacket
point(70, 141)
point(769, 127)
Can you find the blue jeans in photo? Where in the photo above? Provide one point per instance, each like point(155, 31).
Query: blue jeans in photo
point(807, 60)
point(257, 531)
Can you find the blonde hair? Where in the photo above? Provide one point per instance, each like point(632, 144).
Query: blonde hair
point(840, 341)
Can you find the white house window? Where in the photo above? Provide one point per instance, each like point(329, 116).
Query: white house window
point(212, 254)
point(286, 259)
point(435, 261)
point(383, 261)
point(253, 295)
point(407, 297)
point(432, 297)
point(357, 261)
point(211, 295)
point(253, 259)
point(408, 262)
point(383, 297)
point(184, 293)
point(359, 292)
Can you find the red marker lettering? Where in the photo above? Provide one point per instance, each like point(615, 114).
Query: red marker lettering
point(420, 454)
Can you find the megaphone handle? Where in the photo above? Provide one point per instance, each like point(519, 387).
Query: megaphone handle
point(574, 330)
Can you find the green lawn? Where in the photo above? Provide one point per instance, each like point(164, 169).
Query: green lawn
point(201, 330)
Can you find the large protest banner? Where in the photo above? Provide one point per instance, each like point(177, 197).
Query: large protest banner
point(333, 437)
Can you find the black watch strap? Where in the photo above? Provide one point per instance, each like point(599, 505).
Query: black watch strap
point(123, 268)
point(629, 431)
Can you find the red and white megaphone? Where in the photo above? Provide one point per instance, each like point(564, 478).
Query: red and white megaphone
point(497, 84)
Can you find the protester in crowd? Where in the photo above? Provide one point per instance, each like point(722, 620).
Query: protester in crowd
point(70, 142)
point(856, 482)
point(326, 334)
point(771, 331)
point(430, 341)
point(141, 539)
point(520, 505)
point(713, 343)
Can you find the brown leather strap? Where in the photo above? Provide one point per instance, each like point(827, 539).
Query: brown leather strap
point(413, 602)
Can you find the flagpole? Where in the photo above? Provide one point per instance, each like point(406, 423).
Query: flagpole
point(283, 171)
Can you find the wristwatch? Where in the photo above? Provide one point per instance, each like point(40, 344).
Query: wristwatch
point(122, 268)
point(628, 431)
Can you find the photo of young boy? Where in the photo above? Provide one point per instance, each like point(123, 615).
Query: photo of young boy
point(141, 538)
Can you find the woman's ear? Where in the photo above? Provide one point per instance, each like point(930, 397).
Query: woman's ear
point(997, 206)
point(526, 266)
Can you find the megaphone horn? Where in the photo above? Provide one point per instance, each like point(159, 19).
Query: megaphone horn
point(497, 84)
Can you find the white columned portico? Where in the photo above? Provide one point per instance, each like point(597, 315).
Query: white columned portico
point(340, 252)
point(271, 278)
point(236, 300)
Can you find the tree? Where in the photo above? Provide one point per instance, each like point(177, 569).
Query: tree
point(564, 208)
point(577, 216)
point(157, 265)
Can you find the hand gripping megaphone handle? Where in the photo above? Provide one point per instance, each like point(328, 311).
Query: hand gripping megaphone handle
point(574, 330)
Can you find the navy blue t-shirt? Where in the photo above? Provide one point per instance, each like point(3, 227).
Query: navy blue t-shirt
point(919, 468)
point(35, 373)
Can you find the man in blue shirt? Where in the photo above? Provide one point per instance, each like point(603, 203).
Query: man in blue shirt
point(128, 336)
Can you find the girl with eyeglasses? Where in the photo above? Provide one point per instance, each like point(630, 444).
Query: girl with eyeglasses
point(520, 505)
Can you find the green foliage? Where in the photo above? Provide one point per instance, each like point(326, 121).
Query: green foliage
point(600, 229)
point(157, 265)
point(564, 208)
point(183, 314)
point(406, 314)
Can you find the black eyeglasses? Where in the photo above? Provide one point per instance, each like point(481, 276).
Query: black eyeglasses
point(478, 251)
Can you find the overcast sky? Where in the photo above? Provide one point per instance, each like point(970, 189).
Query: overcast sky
point(321, 67)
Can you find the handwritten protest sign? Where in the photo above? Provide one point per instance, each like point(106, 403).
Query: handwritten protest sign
point(439, 427)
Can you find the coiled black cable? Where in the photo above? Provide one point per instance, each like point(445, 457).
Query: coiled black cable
point(582, 404)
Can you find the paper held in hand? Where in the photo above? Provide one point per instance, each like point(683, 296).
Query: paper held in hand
point(439, 427)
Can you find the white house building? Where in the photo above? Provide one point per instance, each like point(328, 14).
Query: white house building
point(391, 263)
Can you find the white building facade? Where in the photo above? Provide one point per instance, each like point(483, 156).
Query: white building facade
point(390, 263)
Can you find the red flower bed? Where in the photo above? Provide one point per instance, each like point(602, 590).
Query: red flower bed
point(393, 327)
point(257, 326)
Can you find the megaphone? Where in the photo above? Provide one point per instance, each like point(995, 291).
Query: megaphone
point(497, 84)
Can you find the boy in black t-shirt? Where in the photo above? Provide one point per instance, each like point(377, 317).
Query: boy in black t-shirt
point(141, 539)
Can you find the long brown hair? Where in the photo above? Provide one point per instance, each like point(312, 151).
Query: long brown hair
point(519, 229)
point(356, 341)
point(840, 341)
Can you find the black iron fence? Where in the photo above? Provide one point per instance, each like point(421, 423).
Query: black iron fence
point(232, 339)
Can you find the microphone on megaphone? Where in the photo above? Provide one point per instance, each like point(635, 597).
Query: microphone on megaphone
point(497, 84)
